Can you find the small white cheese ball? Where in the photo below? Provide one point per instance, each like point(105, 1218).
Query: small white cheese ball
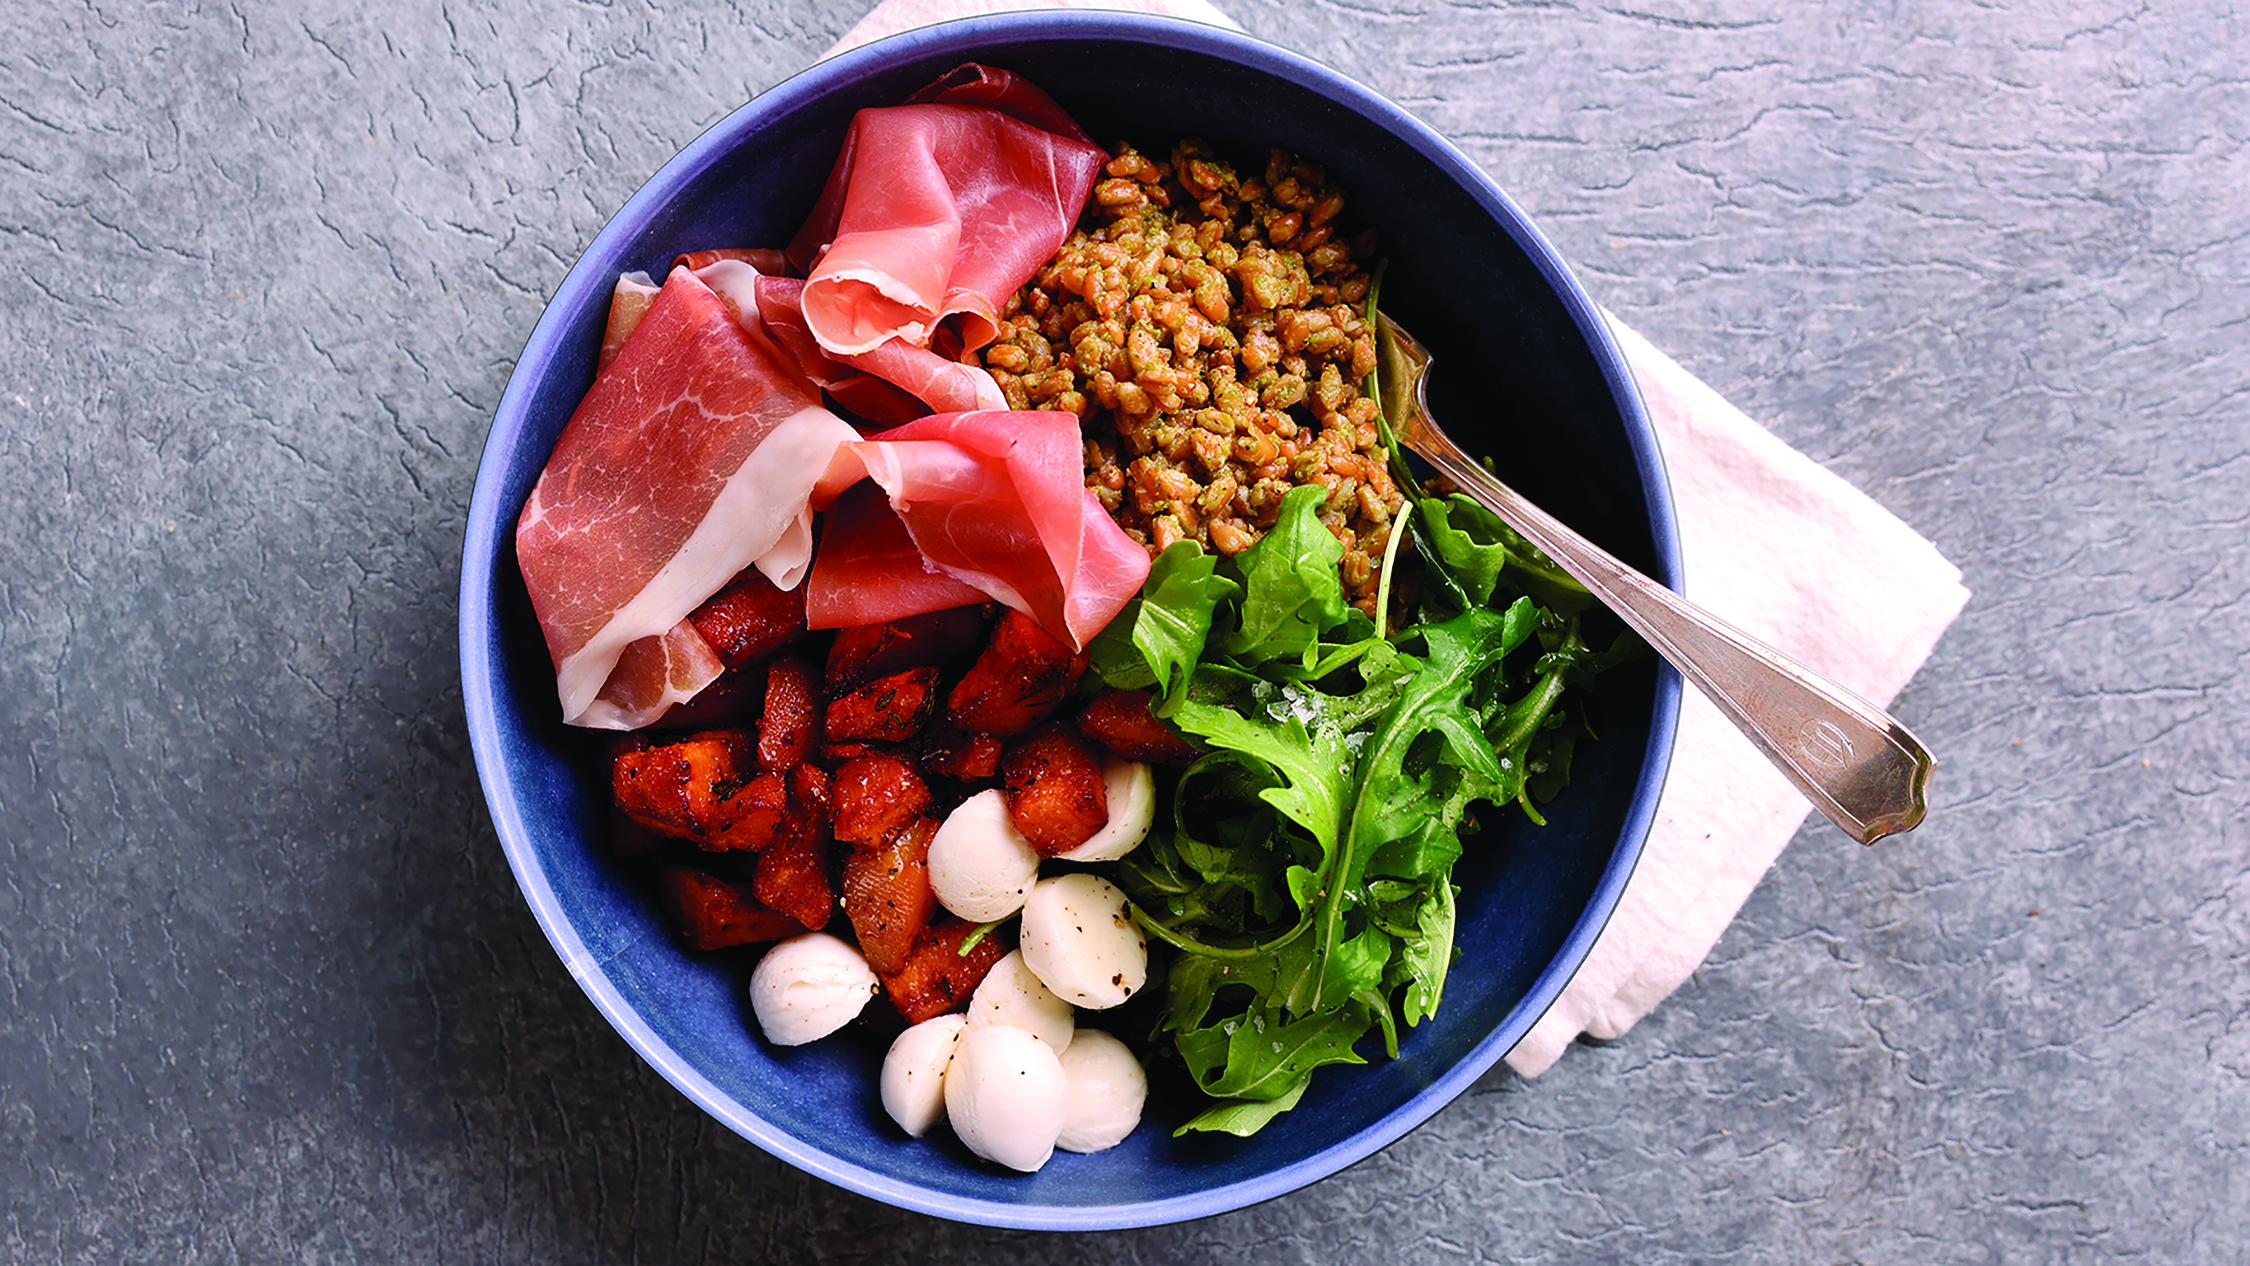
point(914, 1073)
point(1079, 940)
point(981, 867)
point(808, 987)
point(1006, 1096)
point(1107, 1089)
point(1132, 811)
point(1012, 995)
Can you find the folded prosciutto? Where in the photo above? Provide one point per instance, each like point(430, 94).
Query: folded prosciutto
point(869, 571)
point(997, 501)
point(892, 384)
point(941, 210)
point(697, 450)
point(692, 457)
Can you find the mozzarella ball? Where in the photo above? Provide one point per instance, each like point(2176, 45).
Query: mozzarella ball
point(1107, 1089)
point(1006, 1096)
point(1132, 811)
point(980, 865)
point(808, 987)
point(1012, 995)
point(914, 1073)
point(1079, 940)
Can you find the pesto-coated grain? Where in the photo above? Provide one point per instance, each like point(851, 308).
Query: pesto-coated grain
point(1208, 329)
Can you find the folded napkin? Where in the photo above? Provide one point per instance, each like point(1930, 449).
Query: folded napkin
point(1771, 542)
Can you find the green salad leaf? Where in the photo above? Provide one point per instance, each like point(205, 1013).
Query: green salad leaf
point(1291, 594)
point(1158, 638)
point(1304, 889)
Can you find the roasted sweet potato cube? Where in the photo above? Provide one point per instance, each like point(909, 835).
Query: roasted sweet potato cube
point(680, 789)
point(886, 710)
point(937, 976)
point(793, 878)
point(1120, 720)
point(838, 755)
point(756, 815)
point(750, 619)
point(860, 655)
point(877, 794)
point(709, 913)
point(1055, 792)
point(887, 893)
point(1018, 680)
point(791, 719)
point(793, 872)
point(957, 754)
point(811, 788)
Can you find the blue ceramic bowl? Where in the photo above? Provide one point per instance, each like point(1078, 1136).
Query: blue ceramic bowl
point(1530, 361)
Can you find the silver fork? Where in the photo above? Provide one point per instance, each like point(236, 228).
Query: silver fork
point(1852, 760)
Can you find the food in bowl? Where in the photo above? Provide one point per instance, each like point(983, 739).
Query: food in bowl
point(1192, 321)
point(1530, 900)
point(1328, 739)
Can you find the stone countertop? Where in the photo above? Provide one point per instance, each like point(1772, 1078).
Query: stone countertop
point(271, 992)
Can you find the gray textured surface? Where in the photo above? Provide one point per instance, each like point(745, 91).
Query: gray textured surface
point(269, 991)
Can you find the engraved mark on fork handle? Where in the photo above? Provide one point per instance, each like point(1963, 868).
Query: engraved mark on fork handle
point(1825, 744)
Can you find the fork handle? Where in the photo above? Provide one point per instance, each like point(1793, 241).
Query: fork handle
point(1854, 762)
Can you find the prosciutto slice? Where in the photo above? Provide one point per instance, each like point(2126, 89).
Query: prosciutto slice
point(870, 571)
point(692, 456)
point(628, 303)
point(995, 500)
point(937, 212)
point(892, 384)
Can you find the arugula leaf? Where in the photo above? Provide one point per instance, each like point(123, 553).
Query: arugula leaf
point(1394, 800)
point(1432, 850)
point(1190, 989)
point(1291, 594)
point(1160, 635)
point(1247, 847)
point(1474, 541)
point(1471, 549)
point(1311, 763)
point(1428, 954)
point(1244, 1117)
point(1250, 1057)
point(1113, 655)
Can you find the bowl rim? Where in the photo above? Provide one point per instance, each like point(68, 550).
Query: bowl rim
point(487, 542)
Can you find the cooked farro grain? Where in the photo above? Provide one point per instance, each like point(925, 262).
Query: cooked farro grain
point(1208, 330)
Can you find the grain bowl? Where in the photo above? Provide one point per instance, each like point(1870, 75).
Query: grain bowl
point(1523, 354)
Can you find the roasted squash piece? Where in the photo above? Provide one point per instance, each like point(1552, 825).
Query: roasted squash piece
point(838, 755)
point(1120, 720)
point(860, 655)
point(887, 892)
point(1017, 682)
point(750, 619)
point(1055, 792)
point(953, 753)
point(681, 788)
point(937, 977)
point(886, 710)
point(791, 719)
point(876, 794)
point(756, 815)
point(710, 913)
point(793, 872)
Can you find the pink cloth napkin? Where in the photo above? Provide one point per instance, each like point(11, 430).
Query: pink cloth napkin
point(1771, 542)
